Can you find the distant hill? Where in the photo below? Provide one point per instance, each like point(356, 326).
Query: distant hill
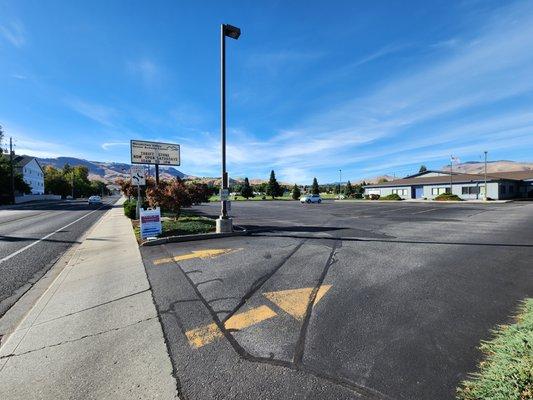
point(478, 167)
point(107, 171)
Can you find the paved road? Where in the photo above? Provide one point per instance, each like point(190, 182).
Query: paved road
point(34, 236)
point(341, 300)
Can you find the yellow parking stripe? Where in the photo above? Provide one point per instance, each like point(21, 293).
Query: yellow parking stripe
point(206, 334)
point(208, 253)
point(295, 301)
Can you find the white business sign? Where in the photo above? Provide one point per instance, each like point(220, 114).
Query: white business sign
point(150, 222)
point(154, 153)
point(138, 177)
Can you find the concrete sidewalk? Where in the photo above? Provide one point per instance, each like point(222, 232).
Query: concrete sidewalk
point(94, 334)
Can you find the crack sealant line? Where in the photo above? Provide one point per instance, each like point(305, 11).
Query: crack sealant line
point(300, 345)
point(59, 280)
point(258, 284)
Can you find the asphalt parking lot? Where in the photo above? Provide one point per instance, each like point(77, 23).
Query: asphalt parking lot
point(341, 300)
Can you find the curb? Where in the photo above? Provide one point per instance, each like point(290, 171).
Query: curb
point(191, 238)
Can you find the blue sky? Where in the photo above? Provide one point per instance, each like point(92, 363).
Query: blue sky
point(313, 86)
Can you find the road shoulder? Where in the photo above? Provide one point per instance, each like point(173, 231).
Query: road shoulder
point(95, 332)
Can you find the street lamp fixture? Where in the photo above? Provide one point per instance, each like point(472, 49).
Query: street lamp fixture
point(224, 223)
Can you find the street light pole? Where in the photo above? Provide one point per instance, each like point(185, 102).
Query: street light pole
point(485, 197)
point(224, 223)
point(223, 187)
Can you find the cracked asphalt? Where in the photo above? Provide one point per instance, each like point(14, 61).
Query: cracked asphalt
point(340, 300)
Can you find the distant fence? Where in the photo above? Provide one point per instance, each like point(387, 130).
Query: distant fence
point(36, 197)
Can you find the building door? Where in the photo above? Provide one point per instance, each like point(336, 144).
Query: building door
point(417, 192)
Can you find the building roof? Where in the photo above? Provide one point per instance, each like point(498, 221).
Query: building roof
point(22, 161)
point(457, 178)
point(519, 175)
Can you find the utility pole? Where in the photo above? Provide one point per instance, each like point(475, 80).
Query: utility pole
point(11, 170)
point(72, 172)
point(485, 197)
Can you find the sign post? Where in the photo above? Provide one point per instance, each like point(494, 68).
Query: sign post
point(138, 179)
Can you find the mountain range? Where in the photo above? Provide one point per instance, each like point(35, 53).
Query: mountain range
point(110, 171)
point(107, 171)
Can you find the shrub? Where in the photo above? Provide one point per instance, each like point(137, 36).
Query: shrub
point(367, 197)
point(505, 372)
point(130, 207)
point(393, 196)
point(374, 197)
point(448, 197)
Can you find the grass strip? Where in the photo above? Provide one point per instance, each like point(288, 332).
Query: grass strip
point(506, 372)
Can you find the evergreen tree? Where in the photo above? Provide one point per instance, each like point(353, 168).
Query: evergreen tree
point(273, 189)
point(422, 169)
point(314, 187)
point(246, 190)
point(348, 190)
point(296, 192)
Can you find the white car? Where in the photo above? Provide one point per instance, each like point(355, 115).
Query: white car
point(311, 198)
point(95, 200)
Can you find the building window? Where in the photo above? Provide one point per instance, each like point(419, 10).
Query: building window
point(470, 190)
point(439, 190)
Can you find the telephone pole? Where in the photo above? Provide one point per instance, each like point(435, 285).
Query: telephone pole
point(11, 170)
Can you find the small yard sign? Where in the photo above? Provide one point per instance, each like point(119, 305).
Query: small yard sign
point(150, 222)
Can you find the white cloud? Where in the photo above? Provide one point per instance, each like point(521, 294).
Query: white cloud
point(97, 112)
point(149, 72)
point(14, 33)
point(109, 145)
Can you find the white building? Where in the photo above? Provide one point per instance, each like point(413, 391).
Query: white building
point(32, 173)
point(429, 184)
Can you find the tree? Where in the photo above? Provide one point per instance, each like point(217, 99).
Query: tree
point(5, 180)
point(55, 182)
point(383, 180)
point(247, 190)
point(273, 189)
point(422, 169)
point(348, 190)
point(198, 192)
point(296, 192)
point(170, 196)
point(314, 187)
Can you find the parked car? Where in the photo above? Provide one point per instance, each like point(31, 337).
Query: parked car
point(95, 200)
point(311, 198)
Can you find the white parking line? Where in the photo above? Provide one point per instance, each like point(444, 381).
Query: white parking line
point(425, 211)
point(47, 236)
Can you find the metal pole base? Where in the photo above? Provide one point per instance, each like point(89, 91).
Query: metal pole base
point(224, 225)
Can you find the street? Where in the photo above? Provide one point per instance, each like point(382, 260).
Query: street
point(33, 236)
point(341, 300)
